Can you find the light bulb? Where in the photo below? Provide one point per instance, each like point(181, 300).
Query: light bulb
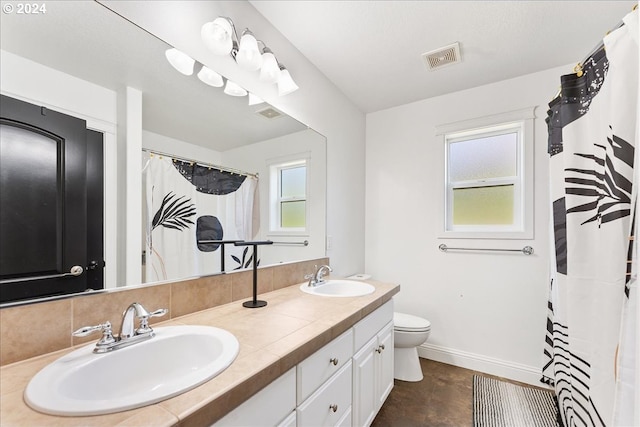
point(270, 70)
point(180, 61)
point(216, 35)
point(286, 85)
point(234, 89)
point(210, 77)
point(248, 56)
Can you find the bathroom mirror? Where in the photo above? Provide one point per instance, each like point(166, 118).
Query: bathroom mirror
point(181, 116)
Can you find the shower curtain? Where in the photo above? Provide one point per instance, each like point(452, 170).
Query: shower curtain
point(185, 204)
point(591, 346)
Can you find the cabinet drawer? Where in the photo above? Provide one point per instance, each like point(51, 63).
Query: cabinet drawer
point(329, 404)
point(268, 407)
point(317, 368)
point(371, 325)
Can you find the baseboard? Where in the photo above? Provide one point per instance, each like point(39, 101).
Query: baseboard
point(477, 362)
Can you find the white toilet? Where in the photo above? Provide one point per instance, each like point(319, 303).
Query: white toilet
point(408, 333)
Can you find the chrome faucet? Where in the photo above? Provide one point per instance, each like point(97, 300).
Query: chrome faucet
point(128, 334)
point(127, 329)
point(317, 278)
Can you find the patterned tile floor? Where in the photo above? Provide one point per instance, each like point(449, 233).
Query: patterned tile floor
point(442, 399)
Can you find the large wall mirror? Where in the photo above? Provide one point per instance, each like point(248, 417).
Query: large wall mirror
point(90, 47)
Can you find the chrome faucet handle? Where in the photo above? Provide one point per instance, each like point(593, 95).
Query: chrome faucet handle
point(144, 320)
point(107, 334)
point(88, 330)
point(311, 277)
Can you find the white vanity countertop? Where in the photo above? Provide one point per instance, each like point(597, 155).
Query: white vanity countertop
point(272, 339)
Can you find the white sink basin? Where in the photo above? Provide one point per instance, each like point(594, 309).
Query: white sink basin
point(177, 359)
point(339, 288)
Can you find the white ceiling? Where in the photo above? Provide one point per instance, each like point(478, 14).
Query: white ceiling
point(371, 50)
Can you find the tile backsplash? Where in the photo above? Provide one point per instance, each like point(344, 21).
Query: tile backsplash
point(39, 328)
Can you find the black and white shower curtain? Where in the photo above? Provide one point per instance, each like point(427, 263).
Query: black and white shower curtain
point(591, 342)
point(185, 204)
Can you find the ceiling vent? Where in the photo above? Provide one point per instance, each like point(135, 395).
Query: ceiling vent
point(269, 113)
point(447, 55)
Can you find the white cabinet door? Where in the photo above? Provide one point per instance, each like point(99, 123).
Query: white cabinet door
point(384, 370)
point(364, 384)
point(372, 376)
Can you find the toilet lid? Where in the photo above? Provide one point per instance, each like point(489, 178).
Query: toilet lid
point(407, 322)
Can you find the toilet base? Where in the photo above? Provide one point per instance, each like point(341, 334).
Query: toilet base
point(407, 364)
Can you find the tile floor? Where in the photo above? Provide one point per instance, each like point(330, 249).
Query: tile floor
point(442, 399)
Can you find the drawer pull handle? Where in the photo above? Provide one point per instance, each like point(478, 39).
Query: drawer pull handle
point(380, 348)
point(333, 407)
point(334, 360)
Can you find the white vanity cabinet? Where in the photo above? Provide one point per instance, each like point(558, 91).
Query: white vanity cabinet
point(372, 364)
point(333, 386)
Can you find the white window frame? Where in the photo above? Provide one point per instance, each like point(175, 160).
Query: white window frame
point(276, 200)
point(520, 121)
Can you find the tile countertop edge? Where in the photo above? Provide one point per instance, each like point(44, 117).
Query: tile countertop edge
point(215, 406)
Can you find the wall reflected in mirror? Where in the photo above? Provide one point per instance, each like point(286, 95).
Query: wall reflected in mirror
point(87, 46)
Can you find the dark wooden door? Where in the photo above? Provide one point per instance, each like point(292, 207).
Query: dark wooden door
point(43, 201)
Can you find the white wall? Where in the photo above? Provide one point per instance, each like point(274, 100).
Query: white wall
point(318, 104)
point(257, 158)
point(487, 310)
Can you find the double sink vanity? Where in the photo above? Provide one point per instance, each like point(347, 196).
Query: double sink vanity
point(315, 355)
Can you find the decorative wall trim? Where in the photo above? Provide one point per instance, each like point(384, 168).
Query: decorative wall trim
point(478, 362)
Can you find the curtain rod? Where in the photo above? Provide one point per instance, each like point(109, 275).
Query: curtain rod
point(600, 45)
point(208, 165)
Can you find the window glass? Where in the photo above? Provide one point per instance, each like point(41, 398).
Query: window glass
point(288, 197)
point(293, 214)
point(481, 158)
point(293, 182)
point(483, 205)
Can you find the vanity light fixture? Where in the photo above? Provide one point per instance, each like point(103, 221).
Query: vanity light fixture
point(210, 77)
point(221, 37)
point(254, 99)
point(270, 70)
point(180, 61)
point(249, 56)
point(234, 89)
point(286, 85)
point(217, 35)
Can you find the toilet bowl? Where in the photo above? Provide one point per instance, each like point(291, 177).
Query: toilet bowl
point(408, 333)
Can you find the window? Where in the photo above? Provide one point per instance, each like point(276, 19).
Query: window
point(488, 173)
point(289, 196)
